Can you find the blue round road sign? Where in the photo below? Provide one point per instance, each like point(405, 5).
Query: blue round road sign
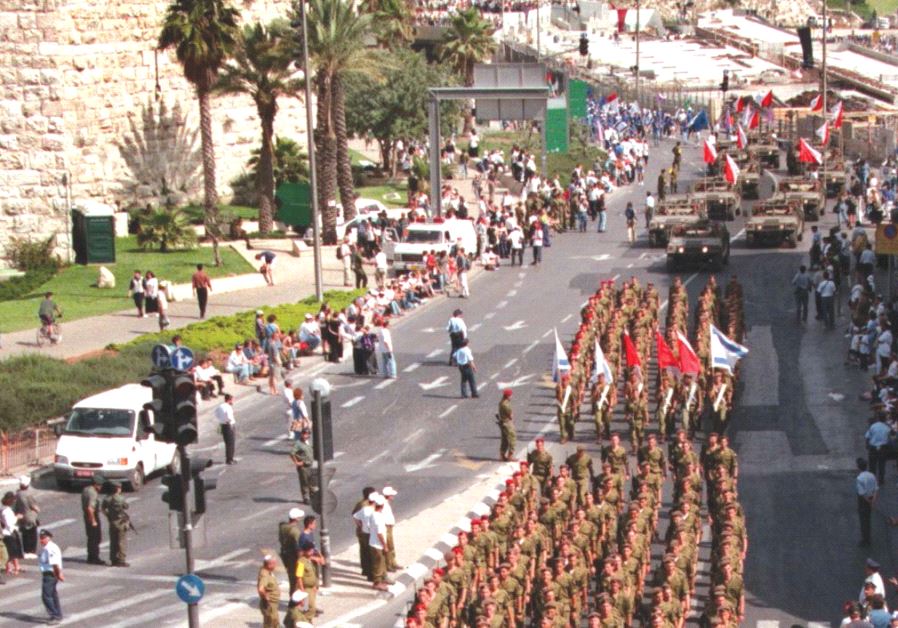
point(161, 356)
point(182, 359)
point(190, 588)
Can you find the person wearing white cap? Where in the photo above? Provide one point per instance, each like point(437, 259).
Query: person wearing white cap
point(296, 610)
point(377, 541)
point(310, 332)
point(288, 535)
point(27, 509)
point(389, 520)
point(360, 514)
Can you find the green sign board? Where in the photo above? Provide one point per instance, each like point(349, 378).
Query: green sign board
point(576, 98)
point(556, 130)
point(294, 204)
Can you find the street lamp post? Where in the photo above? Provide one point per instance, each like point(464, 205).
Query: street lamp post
point(313, 177)
point(321, 388)
point(637, 53)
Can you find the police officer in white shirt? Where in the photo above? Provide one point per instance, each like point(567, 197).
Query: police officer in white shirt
point(224, 414)
point(50, 563)
point(827, 291)
point(465, 361)
point(458, 331)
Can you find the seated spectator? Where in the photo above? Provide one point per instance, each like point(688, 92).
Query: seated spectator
point(207, 376)
point(256, 357)
point(239, 365)
point(489, 259)
point(310, 332)
point(291, 348)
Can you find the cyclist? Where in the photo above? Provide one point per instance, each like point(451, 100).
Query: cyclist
point(47, 312)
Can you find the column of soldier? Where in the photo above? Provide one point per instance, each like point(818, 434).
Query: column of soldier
point(553, 550)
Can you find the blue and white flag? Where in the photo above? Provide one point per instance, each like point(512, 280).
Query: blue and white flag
point(602, 366)
point(560, 364)
point(699, 121)
point(725, 353)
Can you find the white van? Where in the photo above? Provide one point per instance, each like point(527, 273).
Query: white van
point(111, 434)
point(423, 237)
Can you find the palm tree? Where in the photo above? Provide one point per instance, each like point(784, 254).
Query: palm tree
point(468, 40)
point(203, 34)
point(262, 66)
point(338, 36)
point(393, 23)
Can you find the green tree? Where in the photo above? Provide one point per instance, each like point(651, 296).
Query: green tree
point(203, 34)
point(165, 228)
point(261, 67)
point(395, 107)
point(290, 165)
point(468, 40)
point(393, 23)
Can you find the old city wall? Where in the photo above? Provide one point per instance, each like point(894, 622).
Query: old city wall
point(90, 111)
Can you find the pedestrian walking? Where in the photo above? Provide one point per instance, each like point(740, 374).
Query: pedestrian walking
point(458, 331)
point(462, 266)
point(361, 514)
point(344, 254)
point(867, 490)
point(536, 242)
point(136, 292)
point(802, 286)
point(150, 293)
point(90, 511)
point(827, 292)
point(267, 268)
point(516, 238)
point(385, 348)
point(162, 309)
point(9, 525)
point(227, 426)
point(505, 420)
point(27, 510)
point(50, 564)
point(630, 215)
point(116, 510)
point(464, 358)
point(389, 493)
point(649, 208)
point(202, 286)
point(269, 593)
point(288, 537)
point(877, 437)
point(303, 457)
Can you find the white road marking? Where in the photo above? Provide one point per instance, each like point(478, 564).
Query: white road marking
point(131, 600)
point(411, 436)
point(510, 363)
point(385, 383)
point(340, 621)
point(353, 401)
point(615, 278)
point(55, 525)
point(411, 367)
point(512, 293)
point(736, 237)
point(488, 315)
point(481, 386)
point(522, 274)
point(548, 333)
point(768, 623)
point(567, 318)
point(530, 347)
point(501, 304)
point(447, 411)
point(272, 442)
point(474, 327)
point(517, 381)
point(518, 284)
point(203, 565)
point(376, 458)
point(337, 454)
point(515, 326)
point(426, 463)
point(440, 381)
point(494, 376)
point(429, 330)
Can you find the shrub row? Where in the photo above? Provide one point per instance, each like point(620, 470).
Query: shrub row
point(23, 285)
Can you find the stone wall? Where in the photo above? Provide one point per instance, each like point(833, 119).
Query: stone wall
point(90, 110)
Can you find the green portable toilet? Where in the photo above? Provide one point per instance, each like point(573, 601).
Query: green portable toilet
point(93, 234)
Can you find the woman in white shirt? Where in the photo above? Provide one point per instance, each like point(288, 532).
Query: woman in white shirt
point(238, 364)
point(150, 293)
point(385, 347)
point(9, 522)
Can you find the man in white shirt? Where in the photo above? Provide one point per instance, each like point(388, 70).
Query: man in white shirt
point(883, 347)
point(377, 541)
point(390, 521)
point(516, 238)
point(380, 267)
point(360, 518)
point(50, 563)
point(207, 376)
point(224, 414)
point(345, 255)
point(310, 332)
point(458, 331)
point(827, 291)
point(464, 358)
point(649, 208)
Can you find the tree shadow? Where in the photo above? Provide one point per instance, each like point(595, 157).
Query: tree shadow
point(162, 154)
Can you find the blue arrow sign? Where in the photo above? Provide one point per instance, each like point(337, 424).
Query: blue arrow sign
point(190, 588)
point(161, 356)
point(182, 359)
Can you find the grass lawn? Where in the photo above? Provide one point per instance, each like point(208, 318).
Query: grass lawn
point(195, 212)
point(391, 194)
point(78, 298)
point(883, 8)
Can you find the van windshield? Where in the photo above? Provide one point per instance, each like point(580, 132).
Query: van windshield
point(100, 422)
point(418, 235)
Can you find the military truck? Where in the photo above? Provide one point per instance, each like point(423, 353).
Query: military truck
point(807, 192)
point(749, 174)
point(721, 200)
point(701, 242)
point(775, 220)
point(673, 211)
point(836, 177)
point(767, 153)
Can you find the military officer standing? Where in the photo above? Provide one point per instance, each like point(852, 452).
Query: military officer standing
point(269, 593)
point(116, 510)
point(288, 536)
point(303, 458)
point(90, 510)
point(506, 427)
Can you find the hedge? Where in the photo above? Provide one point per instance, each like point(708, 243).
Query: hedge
point(37, 388)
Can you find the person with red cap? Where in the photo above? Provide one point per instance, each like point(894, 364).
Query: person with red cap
point(508, 436)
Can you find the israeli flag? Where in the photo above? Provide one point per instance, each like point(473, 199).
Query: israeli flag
point(602, 366)
point(725, 353)
point(560, 363)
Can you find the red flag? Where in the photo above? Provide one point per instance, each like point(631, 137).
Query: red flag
point(689, 362)
point(755, 120)
point(741, 138)
point(731, 170)
point(816, 103)
point(808, 154)
point(823, 133)
point(611, 97)
point(740, 104)
point(630, 352)
point(621, 20)
point(768, 99)
point(665, 355)
point(710, 152)
point(836, 113)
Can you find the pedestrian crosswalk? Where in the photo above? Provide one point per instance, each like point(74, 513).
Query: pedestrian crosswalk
point(788, 623)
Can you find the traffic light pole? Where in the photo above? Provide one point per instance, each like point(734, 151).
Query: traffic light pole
point(319, 460)
point(193, 612)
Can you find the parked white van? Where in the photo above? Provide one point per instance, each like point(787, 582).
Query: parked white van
point(422, 237)
point(111, 434)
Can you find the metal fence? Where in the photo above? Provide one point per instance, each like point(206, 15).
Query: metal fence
point(27, 448)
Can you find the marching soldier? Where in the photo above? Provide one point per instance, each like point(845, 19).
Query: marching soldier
point(604, 398)
point(721, 396)
point(691, 403)
point(666, 402)
point(564, 399)
point(506, 427)
point(581, 471)
point(116, 510)
point(540, 463)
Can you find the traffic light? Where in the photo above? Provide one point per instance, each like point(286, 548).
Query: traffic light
point(584, 45)
point(725, 83)
point(184, 409)
point(174, 496)
point(201, 484)
point(161, 403)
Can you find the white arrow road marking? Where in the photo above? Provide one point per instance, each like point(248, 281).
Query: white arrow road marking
point(426, 463)
point(353, 401)
point(514, 326)
point(517, 381)
point(448, 411)
point(836, 396)
point(442, 380)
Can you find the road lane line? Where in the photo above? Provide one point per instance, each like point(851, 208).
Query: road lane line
point(629, 265)
point(434, 353)
point(353, 401)
point(479, 388)
point(522, 274)
point(376, 458)
point(474, 327)
point(512, 293)
point(548, 333)
point(488, 315)
point(55, 525)
point(131, 600)
point(518, 283)
point(411, 367)
point(203, 565)
point(501, 304)
point(531, 346)
point(272, 442)
point(448, 411)
point(510, 363)
point(494, 376)
point(385, 383)
point(615, 278)
point(566, 318)
point(413, 435)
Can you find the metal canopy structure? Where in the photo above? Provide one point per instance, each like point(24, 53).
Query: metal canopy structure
point(439, 94)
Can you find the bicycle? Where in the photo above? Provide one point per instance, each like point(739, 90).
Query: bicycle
point(51, 333)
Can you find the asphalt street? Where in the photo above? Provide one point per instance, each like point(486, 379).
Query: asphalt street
point(796, 442)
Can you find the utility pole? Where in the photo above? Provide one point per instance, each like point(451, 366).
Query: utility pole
point(538, 46)
point(193, 612)
point(313, 177)
point(318, 424)
point(637, 54)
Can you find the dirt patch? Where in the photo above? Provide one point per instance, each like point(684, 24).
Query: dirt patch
point(100, 353)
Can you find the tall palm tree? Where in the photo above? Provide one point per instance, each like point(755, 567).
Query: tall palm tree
point(338, 36)
point(468, 40)
point(203, 34)
point(262, 66)
point(393, 23)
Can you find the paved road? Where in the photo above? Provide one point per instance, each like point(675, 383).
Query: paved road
point(417, 434)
